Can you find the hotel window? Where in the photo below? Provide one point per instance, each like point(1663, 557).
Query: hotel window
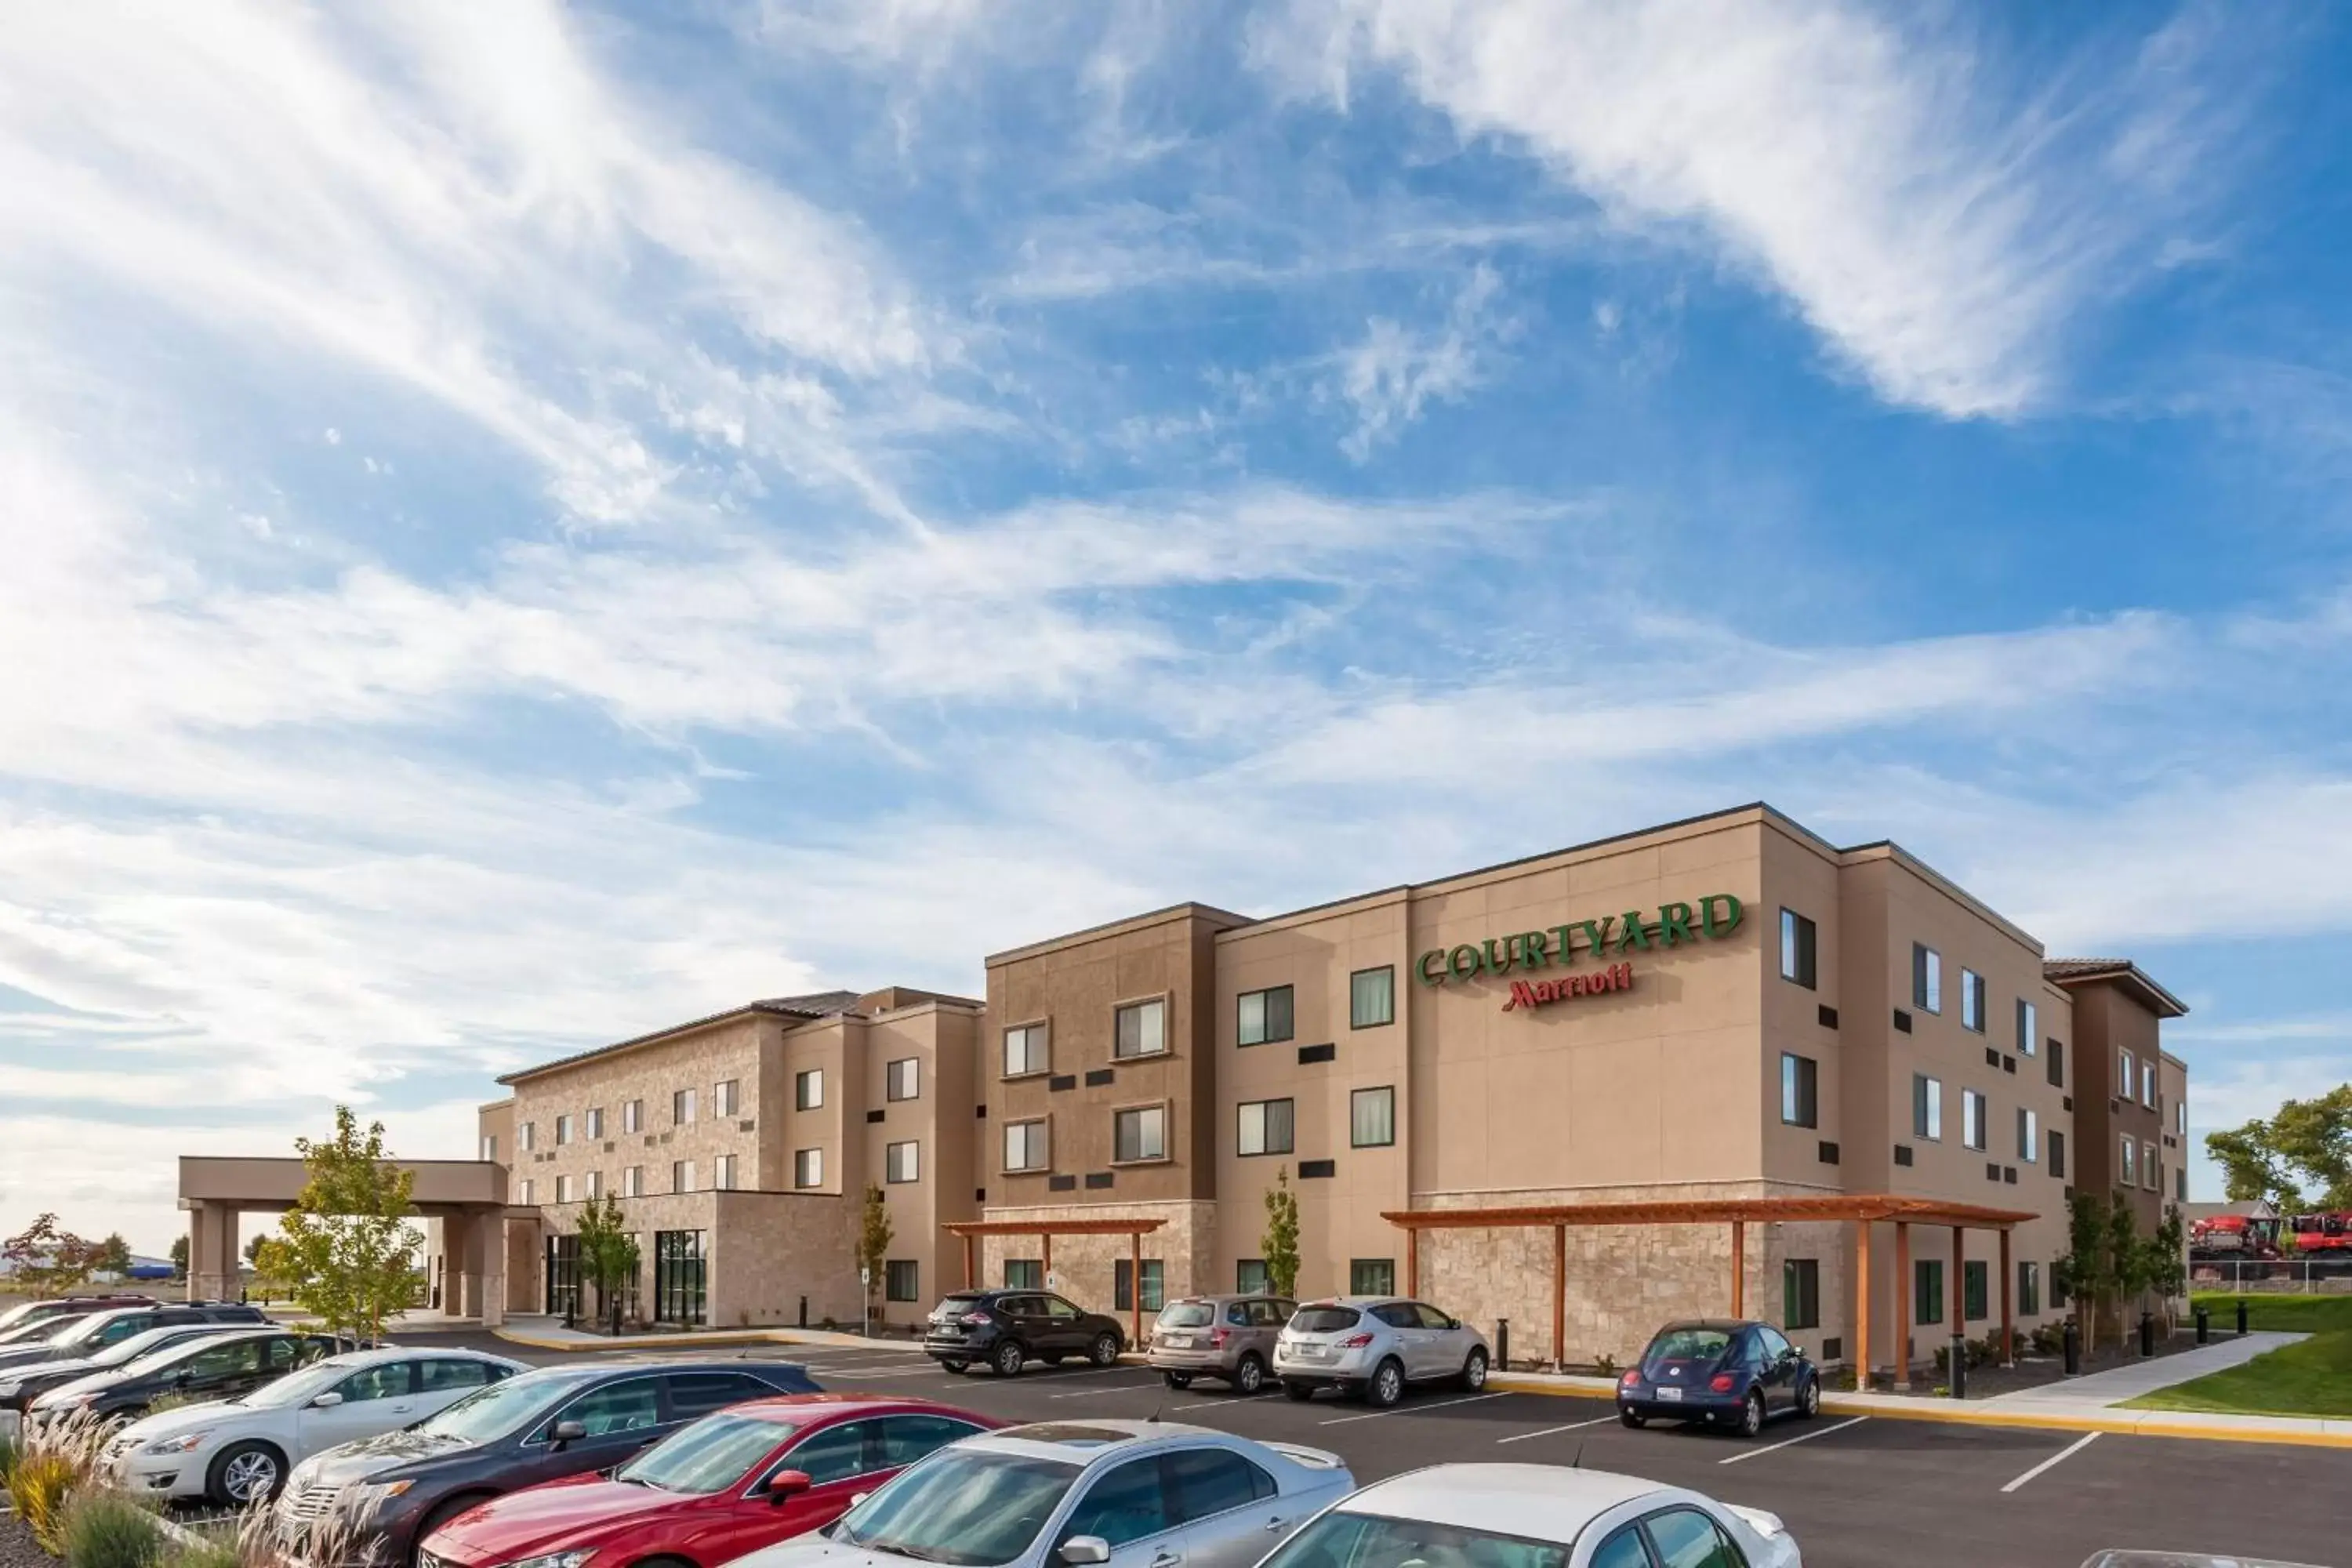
point(633, 1116)
point(2123, 1074)
point(901, 1280)
point(1024, 1050)
point(563, 1130)
point(490, 1147)
point(1122, 1286)
point(681, 1176)
point(2058, 1154)
point(1926, 978)
point(2028, 1136)
point(2130, 1166)
point(563, 1189)
point(1798, 942)
point(1250, 1276)
point(722, 1173)
point(597, 1122)
point(1976, 1287)
point(1799, 1091)
point(527, 1136)
point(2181, 1117)
point(808, 1168)
point(2029, 1289)
point(596, 1184)
point(2180, 1185)
point(1025, 1146)
point(1371, 1277)
point(1927, 1289)
point(1972, 1119)
point(727, 1099)
point(1972, 1001)
point(1139, 1134)
point(1142, 1029)
point(2057, 1064)
point(1927, 1107)
point(681, 1107)
point(1800, 1293)
point(903, 1161)
point(632, 1182)
point(2151, 1174)
point(2029, 1028)
point(526, 1196)
point(1371, 998)
point(1024, 1274)
point(1266, 1127)
point(903, 1080)
point(2148, 1084)
point(1371, 1118)
point(808, 1090)
point(1265, 1017)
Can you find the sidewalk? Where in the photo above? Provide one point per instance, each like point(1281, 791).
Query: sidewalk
point(2102, 1389)
point(549, 1334)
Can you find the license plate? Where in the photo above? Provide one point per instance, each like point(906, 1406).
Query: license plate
point(1180, 1342)
point(1313, 1353)
point(1671, 1395)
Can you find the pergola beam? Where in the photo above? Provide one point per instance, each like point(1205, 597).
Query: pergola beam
point(1715, 1211)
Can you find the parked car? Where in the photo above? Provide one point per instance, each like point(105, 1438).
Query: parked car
point(20, 1386)
point(1537, 1516)
point(1228, 1337)
point(1726, 1372)
point(87, 1334)
point(1066, 1494)
point(219, 1366)
point(1374, 1346)
point(737, 1479)
point(237, 1451)
point(21, 1318)
point(386, 1493)
point(1004, 1328)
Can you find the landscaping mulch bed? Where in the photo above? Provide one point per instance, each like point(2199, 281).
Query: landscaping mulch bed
point(17, 1549)
point(2036, 1370)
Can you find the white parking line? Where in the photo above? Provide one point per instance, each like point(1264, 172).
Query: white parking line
point(1792, 1442)
point(2068, 1452)
point(1154, 1385)
point(1571, 1426)
point(1400, 1409)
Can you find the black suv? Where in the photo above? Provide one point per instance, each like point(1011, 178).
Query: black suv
point(219, 1366)
point(1002, 1329)
point(385, 1494)
point(23, 1383)
point(31, 1321)
point(84, 1336)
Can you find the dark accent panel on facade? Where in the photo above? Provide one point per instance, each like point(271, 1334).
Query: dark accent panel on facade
point(1829, 1152)
point(1832, 1349)
point(1829, 1017)
point(1098, 1077)
point(1062, 1081)
point(873, 1116)
point(1312, 1168)
point(1061, 1183)
point(2009, 1064)
point(1903, 1020)
point(1325, 1052)
point(1903, 1154)
point(1098, 1178)
point(1992, 1057)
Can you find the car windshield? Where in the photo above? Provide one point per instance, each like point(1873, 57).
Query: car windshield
point(1341, 1539)
point(711, 1455)
point(494, 1412)
point(955, 1306)
point(1323, 1320)
point(1688, 1344)
point(124, 1351)
point(967, 1506)
point(1188, 1315)
point(300, 1387)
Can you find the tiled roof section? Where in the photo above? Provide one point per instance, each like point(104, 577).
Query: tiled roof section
point(2125, 973)
point(815, 1005)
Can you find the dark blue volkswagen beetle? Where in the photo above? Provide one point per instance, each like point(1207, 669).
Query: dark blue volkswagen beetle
point(1722, 1372)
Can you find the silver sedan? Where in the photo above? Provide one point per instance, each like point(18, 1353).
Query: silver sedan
point(1072, 1494)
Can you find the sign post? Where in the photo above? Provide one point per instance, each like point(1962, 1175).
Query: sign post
point(865, 1300)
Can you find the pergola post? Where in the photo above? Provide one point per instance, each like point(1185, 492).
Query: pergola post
point(1559, 1298)
point(1738, 1268)
point(1861, 1306)
point(1903, 1313)
point(1046, 1239)
point(1412, 1260)
point(1959, 1280)
point(2008, 1314)
point(1135, 1285)
point(969, 1265)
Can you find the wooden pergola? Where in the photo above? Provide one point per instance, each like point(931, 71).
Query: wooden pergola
point(1862, 1209)
point(1045, 1230)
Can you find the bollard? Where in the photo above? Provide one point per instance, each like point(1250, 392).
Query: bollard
point(2147, 1334)
point(2242, 1315)
point(804, 1311)
point(1502, 1342)
point(2204, 1323)
point(1958, 1371)
point(2073, 1334)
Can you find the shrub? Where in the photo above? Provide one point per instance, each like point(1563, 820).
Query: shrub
point(205, 1550)
point(39, 1484)
point(105, 1527)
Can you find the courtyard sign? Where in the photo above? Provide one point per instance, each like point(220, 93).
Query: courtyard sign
point(1717, 916)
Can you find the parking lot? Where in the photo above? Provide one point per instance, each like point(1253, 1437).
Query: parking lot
point(1857, 1492)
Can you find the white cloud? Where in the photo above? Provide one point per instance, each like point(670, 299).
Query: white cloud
point(1394, 373)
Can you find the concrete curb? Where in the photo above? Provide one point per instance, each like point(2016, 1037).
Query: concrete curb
point(646, 1341)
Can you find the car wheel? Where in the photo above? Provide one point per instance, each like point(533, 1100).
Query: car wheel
point(1751, 1414)
point(1387, 1386)
point(244, 1474)
point(1809, 1399)
point(1007, 1359)
point(1300, 1391)
point(1250, 1375)
point(1473, 1371)
point(1633, 1418)
point(1176, 1379)
point(1104, 1351)
point(954, 1368)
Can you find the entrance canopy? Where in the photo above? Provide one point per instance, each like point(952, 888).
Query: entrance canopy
point(1045, 1230)
point(1862, 1209)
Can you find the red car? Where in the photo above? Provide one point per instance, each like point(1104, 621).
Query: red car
point(736, 1480)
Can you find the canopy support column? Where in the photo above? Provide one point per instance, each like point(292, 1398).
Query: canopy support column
point(1412, 1260)
point(1903, 1313)
point(1560, 1297)
point(2008, 1309)
point(1135, 1286)
point(1738, 1268)
point(1861, 1306)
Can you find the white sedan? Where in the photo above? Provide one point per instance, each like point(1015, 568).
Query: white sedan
point(237, 1451)
point(1534, 1516)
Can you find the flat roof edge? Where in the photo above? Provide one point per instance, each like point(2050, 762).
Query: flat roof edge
point(1168, 915)
point(1887, 849)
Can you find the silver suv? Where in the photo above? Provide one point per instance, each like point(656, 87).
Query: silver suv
point(1374, 1345)
point(1230, 1337)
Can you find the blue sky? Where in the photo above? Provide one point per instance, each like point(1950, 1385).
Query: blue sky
point(521, 525)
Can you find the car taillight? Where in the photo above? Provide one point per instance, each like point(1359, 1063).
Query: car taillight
point(1720, 1382)
point(1217, 1340)
point(1355, 1342)
point(974, 1319)
point(1629, 1380)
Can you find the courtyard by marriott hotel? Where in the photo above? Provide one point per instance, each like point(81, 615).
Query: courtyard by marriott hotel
point(1718, 1065)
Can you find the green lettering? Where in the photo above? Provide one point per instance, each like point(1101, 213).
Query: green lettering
point(1634, 934)
point(1596, 934)
point(1433, 958)
point(1493, 966)
point(1462, 961)
point(1732, 914)
point(1674, 925)
point(1533, 948)
point(1561, 953)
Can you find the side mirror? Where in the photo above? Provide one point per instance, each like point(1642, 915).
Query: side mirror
point(327, 1401)
point(1083, 1549)
point(786, 1483)
point(568, 1432)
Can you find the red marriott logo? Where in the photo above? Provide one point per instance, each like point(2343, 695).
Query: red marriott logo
point(1536, 993)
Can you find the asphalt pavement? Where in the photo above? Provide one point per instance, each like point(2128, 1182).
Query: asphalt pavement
point(1857, 1492)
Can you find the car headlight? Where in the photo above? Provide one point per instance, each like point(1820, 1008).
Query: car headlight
point(375, 1494)
point(185, 1443)
point(556, 1560)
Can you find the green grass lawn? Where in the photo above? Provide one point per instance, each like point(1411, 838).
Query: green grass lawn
point(2313, 1378)
point(2284, 1314)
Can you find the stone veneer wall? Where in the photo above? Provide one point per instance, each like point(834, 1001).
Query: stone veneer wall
point(763, 1251)
point(1186, 1246)
point(1623, 1281)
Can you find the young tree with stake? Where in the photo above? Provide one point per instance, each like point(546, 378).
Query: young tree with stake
point(345, 1245)
point(1280, 1245)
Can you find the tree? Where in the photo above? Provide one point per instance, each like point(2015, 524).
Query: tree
point(2167, 1262)
point(48, 1260)
point(112, 1256)
point(609, 1254)
point(345, 1245)
point(874, 1234)
point(180, 1254)
point(2300, 1158)
point(2083, 1273)
point(2126, 1257)
point(1280, 1245)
